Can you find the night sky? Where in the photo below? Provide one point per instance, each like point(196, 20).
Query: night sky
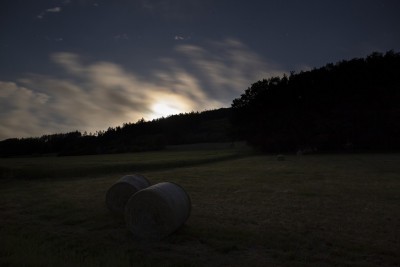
point(86, 65)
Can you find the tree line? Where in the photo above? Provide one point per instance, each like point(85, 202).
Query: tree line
point(352, 105)
point(184, 128)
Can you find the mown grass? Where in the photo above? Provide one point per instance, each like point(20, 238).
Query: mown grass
point(315, 210)
point(85, 166)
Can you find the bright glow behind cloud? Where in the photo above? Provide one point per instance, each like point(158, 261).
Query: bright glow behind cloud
point(103, 94)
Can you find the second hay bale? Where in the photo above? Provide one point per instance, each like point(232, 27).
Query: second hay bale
point(157, 211)
point(119, 193)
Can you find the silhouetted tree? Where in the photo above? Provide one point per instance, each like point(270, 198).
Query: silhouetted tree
point(351, 104)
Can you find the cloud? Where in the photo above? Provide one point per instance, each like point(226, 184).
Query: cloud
point(49, 10)
point(106, 95)
point(179, 38)
point(228, 66)
point(19, 106)
point(54, 9)
point(100, 94)
point(69, 61)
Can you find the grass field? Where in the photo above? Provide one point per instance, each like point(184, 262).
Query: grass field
point(248, 210)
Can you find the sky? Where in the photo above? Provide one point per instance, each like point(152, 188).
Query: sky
point(87, 65)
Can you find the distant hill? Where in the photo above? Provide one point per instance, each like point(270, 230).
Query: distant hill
point(352, 105)
point(185, 128)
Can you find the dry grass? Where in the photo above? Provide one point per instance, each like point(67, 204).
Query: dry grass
point(89, 166)
point(325, 210)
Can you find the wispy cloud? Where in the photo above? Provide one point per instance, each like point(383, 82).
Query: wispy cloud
point(54, 9)
point(49, 10)
point(228, 65)
point(179, 38)
point(102, 94)
point(19, 112)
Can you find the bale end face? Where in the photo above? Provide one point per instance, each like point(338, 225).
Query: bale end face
point(157, 211)
point(118, 194)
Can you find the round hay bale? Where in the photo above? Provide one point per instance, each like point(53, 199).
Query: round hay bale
point(157, 211)
point(119, 193)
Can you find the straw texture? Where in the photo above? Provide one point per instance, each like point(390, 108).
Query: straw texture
point(157, 211)
point(119, 193)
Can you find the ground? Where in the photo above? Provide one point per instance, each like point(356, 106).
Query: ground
point(247, 209)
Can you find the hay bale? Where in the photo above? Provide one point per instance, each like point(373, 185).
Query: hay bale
point(119, 193)
point(157, 211)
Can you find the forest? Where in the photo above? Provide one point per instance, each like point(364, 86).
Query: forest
point(350, 106)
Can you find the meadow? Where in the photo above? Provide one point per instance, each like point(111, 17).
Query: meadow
point(247, 209)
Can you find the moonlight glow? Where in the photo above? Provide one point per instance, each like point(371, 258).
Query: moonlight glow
point(165, 109)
